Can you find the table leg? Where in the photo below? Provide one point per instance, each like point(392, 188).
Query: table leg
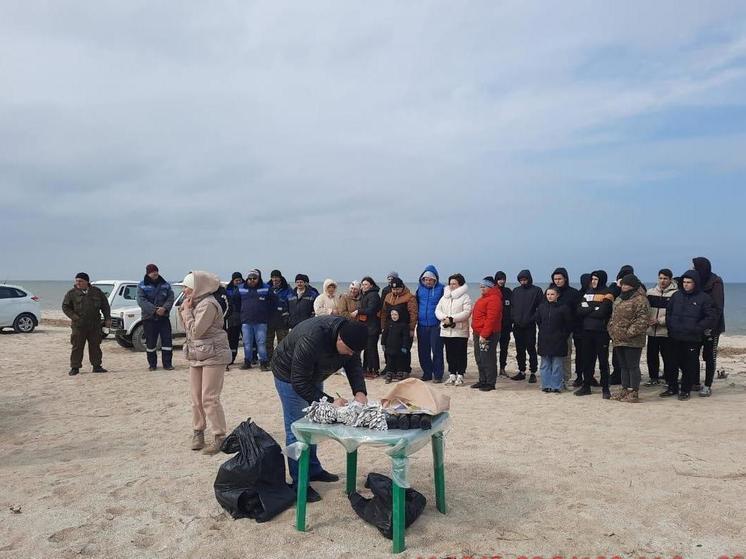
point(302, 490)
point(351, 472)
point(398, 518)
point(439, 472)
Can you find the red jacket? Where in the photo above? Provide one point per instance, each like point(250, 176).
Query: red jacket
point(488, 313)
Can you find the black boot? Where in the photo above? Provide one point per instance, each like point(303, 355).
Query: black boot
point(584, 390)
point(519, 376)
point(264, 366)
point(73, 371)
point(578, 382)
point(99, 369)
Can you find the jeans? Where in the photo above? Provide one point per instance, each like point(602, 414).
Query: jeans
point(153, 329)
point(525, 341)
point(629, 362)
point(254, 333)
point(487, 360)
point(292, 410)
point(430, 351)
point(552, 373)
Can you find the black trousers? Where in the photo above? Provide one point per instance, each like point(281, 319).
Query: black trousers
point(525, 341)
point(595, 347)
point(154, 329)
point(456, 349)
point(272, 331)
point(371, 361)
point(658, 347)
point(234, 335)
point(710, 357)
point(504, 344)
point(577, 341)
point(397, 361)
point(82, 334)
point(487, 360)
point(687, 359)
point(616, 371)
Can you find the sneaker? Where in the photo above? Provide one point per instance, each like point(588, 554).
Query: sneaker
point(325, 477)
point(705, 392)
point(214, 447)
point(99, 369)
point(697, 387)
point(583, 391)
point(620, 395)
point(476, 385)
point(151, 369)
point(459, 380)
point(168, 368)
point(245, 366)
point(633, 397)
point(198, 440)
point(502, 372)
point(668, 393)
point(264, 366)
point(73, 371)
point(653, 382)
point(606, 395)
point(684, 396)
point(486, 388)
point(578, 382)
point(532, 378)
point(437, 381)
point(594, 382)
point(519, 376)
point(451, 379)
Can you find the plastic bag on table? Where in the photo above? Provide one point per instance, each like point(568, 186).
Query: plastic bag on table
point(379, 509)
point(252, 483)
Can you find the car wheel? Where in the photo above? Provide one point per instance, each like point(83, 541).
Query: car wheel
point(124, 342)
point(24, 323)
point(138, 339)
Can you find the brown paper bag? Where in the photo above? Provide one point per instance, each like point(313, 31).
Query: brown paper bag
point(414, 392)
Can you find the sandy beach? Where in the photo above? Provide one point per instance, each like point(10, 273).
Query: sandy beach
point(99, 466)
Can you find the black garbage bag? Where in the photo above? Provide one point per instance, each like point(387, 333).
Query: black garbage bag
point(252, 483)
point(378, 509)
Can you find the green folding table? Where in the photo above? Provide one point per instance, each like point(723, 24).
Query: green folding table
point(401, 445)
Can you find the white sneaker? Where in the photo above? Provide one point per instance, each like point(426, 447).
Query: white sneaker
point(705, 391)
point(459, 380)
point(451, 379)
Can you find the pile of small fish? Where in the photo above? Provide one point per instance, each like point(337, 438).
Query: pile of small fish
point(354, 414)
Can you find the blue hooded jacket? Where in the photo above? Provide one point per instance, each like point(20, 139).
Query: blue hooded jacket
point(427, 299)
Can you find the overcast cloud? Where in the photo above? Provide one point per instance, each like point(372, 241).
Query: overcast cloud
point(350, 138)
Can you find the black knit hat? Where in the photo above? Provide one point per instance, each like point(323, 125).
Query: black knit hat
point(302, 277)
point(83, 276)
point(396, 282)
point(354, 335)
point(632, 281)
point(236, 275)
point(275, 274)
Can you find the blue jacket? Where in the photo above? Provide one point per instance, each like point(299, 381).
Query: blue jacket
point(255, 304)
point(153, 294)
point(427, 299)
point(278, 297)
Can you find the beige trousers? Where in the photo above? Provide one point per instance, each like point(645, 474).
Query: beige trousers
point(206, 384)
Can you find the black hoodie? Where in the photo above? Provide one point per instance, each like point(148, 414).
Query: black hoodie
point(690, 314)
point(525, 300)
point(596, 305)
point(507, 302)
point(568, 296)
point(712, 284)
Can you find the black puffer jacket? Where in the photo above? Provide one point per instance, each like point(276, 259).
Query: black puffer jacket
point(690, 314)
point(712, 284)
point(596, 305)
point(370, 307)
point(524, 301)
point(555, 324)
point(301, 308)
point(308, 356)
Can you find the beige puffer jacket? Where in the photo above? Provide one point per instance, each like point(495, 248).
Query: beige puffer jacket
point(207, 342)
point(323, 304)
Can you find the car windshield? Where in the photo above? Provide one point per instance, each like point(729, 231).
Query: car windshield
point(106, 288)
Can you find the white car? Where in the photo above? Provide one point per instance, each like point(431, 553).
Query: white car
point(126, 323)
point(19, 309)
point(120, 293)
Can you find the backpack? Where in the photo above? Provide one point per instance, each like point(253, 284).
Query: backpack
point(221, 296)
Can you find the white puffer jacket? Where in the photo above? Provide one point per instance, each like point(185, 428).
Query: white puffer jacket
point(323, 304)
point(456, 304)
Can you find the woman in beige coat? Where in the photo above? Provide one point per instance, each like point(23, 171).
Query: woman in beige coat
point(208, 353)
point(328, 300)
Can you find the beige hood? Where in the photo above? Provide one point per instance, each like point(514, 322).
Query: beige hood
point(205, 283)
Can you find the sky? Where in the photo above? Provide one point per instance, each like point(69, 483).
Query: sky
point(343, 139)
